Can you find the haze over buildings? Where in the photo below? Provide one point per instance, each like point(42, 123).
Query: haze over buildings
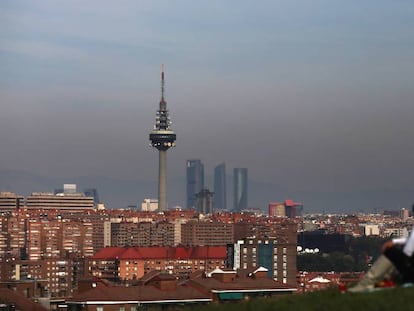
point(314, 98)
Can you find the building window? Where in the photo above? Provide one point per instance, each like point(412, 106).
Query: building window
point(99, 308)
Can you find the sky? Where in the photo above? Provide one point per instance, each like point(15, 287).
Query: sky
point(310, 95)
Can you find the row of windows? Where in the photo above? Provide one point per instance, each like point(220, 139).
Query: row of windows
point(254, 250)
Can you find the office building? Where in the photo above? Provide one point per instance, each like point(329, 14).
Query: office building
point(220, 193)
point(69, 199)
point(10, 201)
point(195, 180)
point(287, 208)
point(240, 189)
point(92, 192)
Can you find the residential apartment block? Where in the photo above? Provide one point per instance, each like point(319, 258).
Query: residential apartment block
point(206, 233)
point(142, 234)
point(277, 256)
point(132, 263)
point(51, 277)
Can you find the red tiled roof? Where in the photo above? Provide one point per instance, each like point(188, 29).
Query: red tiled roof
point(241, 283)
point(142, 294)
point(154, 252)
point(209, 252)
point(182, 252)
point(108, 253)
point(129, 253)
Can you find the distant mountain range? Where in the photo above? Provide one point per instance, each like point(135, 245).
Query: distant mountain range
point(116, 193)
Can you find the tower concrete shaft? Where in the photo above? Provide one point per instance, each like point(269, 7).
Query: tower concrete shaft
point(162, 181)
point(162, 138)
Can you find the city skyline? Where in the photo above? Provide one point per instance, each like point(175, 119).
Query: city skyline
point(314, 98)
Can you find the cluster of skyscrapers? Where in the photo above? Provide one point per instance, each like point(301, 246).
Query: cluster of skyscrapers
point(200, 197)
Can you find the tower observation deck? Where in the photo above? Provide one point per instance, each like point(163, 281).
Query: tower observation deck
point(162, 138)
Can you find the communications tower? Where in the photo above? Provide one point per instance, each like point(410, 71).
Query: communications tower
point(162, 138)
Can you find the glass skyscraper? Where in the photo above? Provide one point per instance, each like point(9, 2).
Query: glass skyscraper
point(195, 180)
point(239, 189)
point(220, 193)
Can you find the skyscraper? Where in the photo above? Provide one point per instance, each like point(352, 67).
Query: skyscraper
point(220, 193)
point(239, 189)
point(195, 180)
point(162, 138)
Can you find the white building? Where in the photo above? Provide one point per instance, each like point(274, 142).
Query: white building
point(149, 205)
point(371, 230)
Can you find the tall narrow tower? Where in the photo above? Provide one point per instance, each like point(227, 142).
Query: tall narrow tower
point(240, 189)
point(162, 138)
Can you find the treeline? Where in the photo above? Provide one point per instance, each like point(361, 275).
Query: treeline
point(359, 254)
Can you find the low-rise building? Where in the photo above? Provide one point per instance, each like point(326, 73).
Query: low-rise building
point(158, 289)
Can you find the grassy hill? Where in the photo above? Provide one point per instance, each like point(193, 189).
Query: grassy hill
point(389, 299)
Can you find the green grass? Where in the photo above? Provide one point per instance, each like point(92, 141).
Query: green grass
point(328, 300)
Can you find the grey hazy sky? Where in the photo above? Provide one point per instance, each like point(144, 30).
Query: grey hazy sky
point(316, 95)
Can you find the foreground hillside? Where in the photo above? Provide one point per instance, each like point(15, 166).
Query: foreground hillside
point(389, 299)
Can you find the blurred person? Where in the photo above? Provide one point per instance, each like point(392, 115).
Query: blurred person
point(397, 258)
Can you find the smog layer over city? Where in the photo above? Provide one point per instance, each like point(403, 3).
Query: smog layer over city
point(314, 98)
point(237, 155)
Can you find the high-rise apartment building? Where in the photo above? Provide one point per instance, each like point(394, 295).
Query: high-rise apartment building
point(54, 239)
point(207, 233)
point(220, 193)
point(142, 234)
point(277, 256)
point(195, 180)
point(17, 232)
point(239, 189)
